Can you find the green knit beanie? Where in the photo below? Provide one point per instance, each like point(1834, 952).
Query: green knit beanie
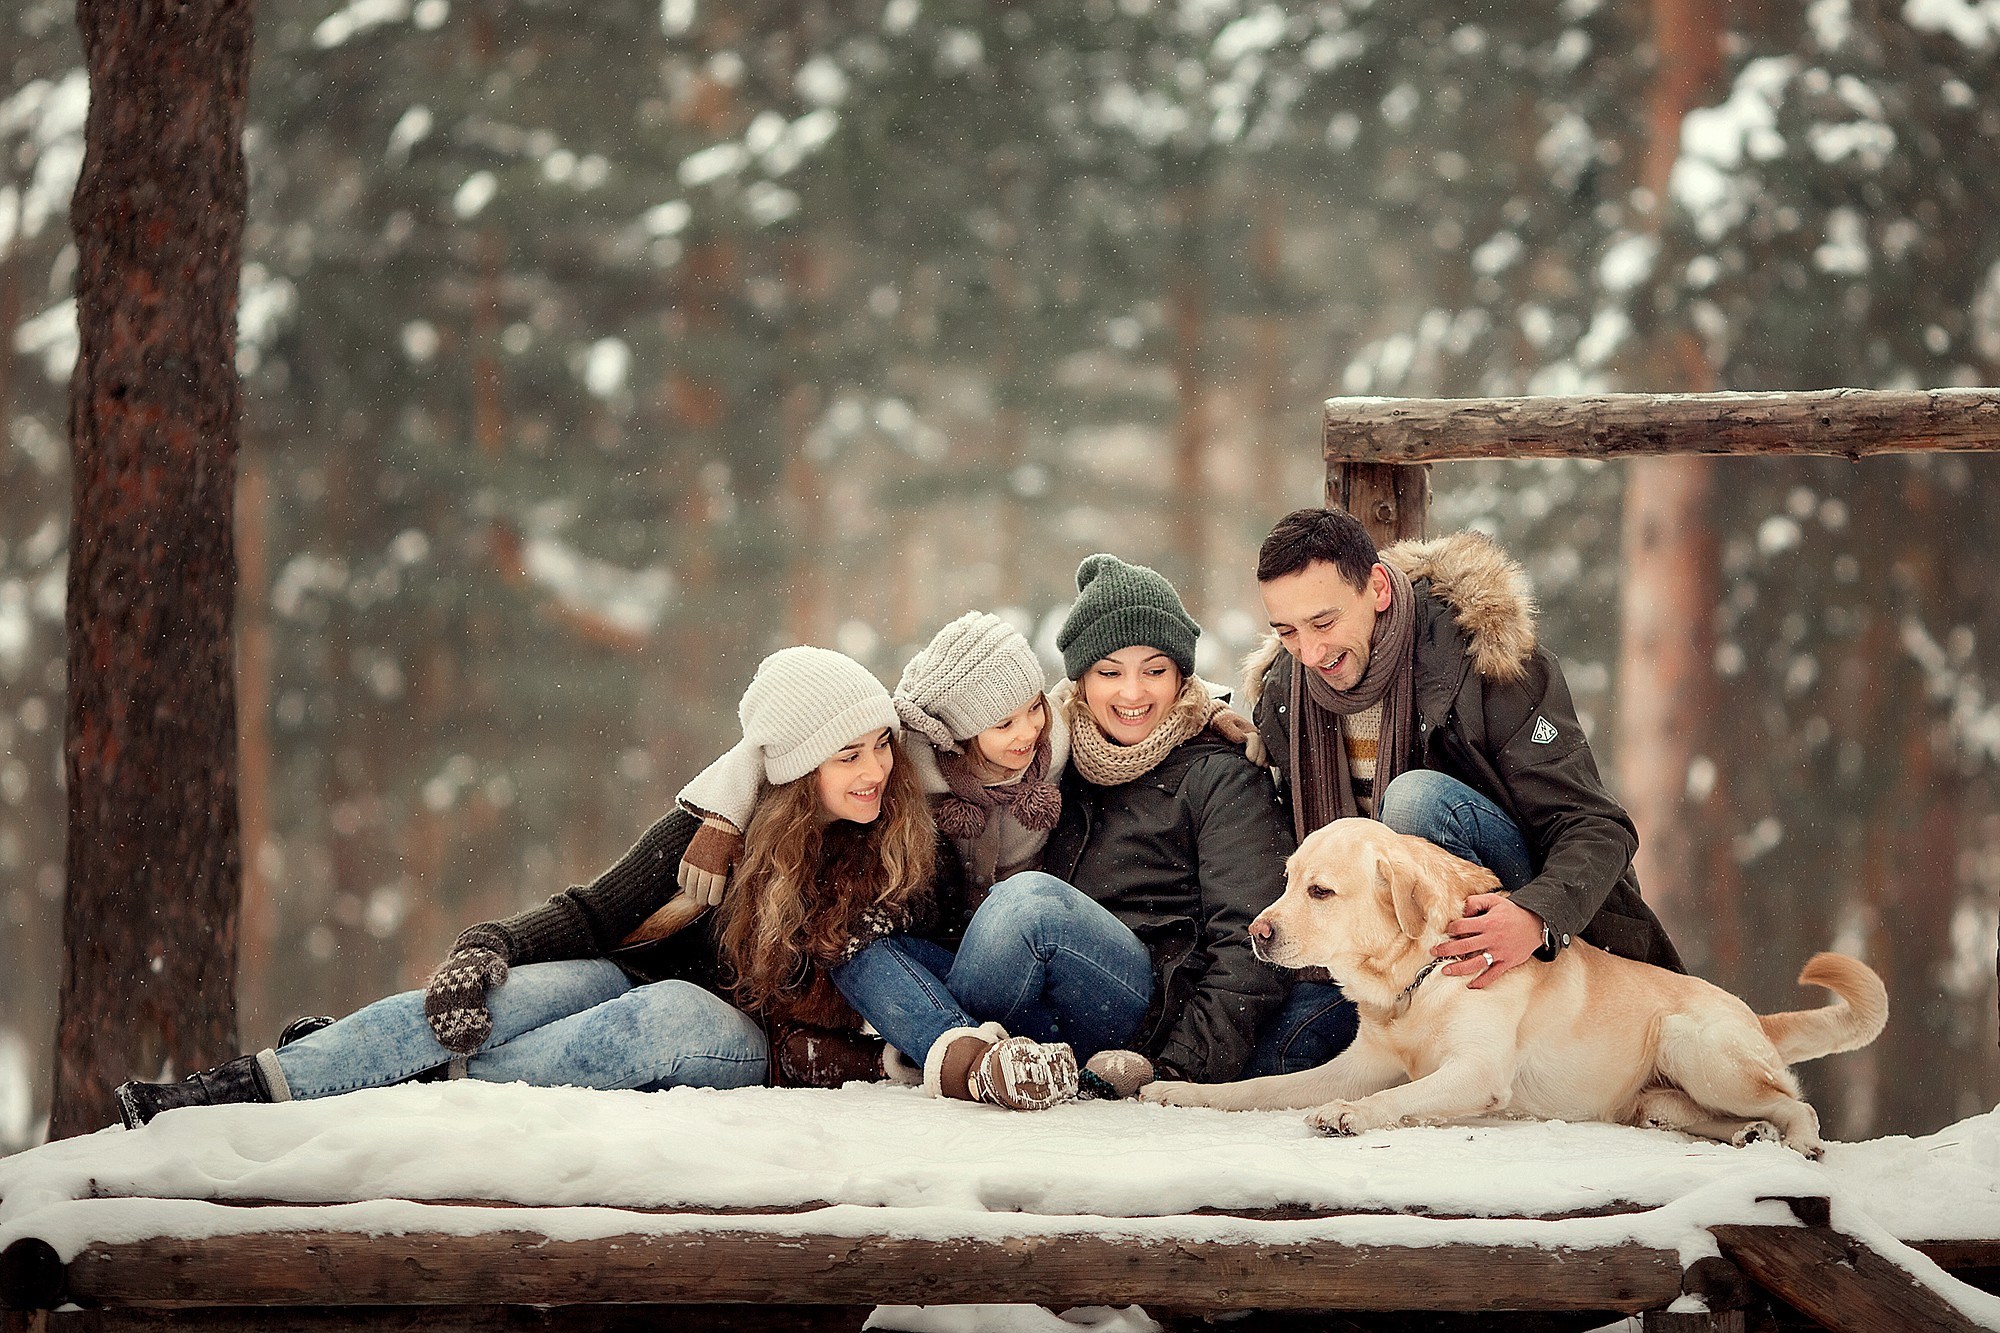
point(1119, 605)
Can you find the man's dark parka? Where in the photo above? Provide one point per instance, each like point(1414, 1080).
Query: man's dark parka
point(1186, 856)
point(1494, 711)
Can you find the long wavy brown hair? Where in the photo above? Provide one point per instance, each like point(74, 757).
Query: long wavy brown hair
point(803, 885)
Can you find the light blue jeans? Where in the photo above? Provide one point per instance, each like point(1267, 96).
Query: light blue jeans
point(582, 1024)
point(1039, 957)
point(1317, 1022)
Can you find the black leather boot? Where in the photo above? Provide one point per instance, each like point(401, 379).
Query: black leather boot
point(304, 1027)
point(237, 1081)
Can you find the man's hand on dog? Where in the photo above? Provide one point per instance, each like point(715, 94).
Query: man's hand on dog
point(1492, 924)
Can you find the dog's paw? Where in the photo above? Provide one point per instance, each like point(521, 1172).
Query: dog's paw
point(1168, 1093)
point(1755, 1131)
point(1811, 1149)
point(1339, 1118)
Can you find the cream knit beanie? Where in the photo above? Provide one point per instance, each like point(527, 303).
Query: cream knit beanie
point(803, 707)
point(975, 672)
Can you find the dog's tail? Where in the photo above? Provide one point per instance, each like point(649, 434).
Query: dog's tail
point(1855, 1018)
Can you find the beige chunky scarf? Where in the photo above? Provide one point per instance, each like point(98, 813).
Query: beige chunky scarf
point(1106, 763)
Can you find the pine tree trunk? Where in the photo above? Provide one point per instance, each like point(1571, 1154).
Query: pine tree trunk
point(1187, 304)
point(1666, 651)
point(255, 753)
point(150, 923)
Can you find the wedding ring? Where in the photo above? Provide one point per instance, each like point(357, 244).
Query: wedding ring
point(1486, 957)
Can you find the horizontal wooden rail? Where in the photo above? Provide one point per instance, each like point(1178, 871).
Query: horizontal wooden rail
point(524, 1268)
point(1848, 423)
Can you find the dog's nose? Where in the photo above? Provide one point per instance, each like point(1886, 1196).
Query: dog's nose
point(1260, 929)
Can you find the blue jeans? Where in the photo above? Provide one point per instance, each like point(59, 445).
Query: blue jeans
point(1317, 1022)
point(1039, 957)
point(1445, 811)
point(581, 1024)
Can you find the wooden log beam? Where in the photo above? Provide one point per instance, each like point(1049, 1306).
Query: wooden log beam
point(1838, 1281)
point(525, 1268)
point(454, 1319)
point(1847, 423)
point(729, 1319)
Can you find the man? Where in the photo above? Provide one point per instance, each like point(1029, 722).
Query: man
point(1408, 686)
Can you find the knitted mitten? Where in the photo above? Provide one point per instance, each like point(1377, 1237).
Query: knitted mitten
point(704, 868)
point(1115, 1074)
point(455, 1000)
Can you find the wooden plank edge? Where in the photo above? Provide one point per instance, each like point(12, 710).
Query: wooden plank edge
point(1951, 1255)
point(320, 1269)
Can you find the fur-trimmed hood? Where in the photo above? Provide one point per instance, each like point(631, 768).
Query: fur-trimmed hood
point(1487, 590)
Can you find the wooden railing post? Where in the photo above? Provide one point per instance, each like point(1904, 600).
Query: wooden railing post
point(1392, 500)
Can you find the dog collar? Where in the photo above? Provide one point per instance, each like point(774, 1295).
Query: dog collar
point(1404, 999)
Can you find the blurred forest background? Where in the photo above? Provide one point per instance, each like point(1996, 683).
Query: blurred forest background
point(590, 353)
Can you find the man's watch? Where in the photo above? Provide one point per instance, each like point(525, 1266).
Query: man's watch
point(1553, 943)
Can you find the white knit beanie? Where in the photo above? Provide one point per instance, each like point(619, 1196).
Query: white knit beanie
point(803, 707)
point(975, 672)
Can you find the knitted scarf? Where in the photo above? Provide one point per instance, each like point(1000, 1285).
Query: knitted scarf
point(1106, 763)
point(1323, 789)
point(961, 813)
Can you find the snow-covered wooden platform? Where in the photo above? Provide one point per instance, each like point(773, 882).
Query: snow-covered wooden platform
point(462, 1205)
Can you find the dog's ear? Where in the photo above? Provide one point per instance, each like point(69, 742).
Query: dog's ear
point(1456, 878)
point(1399, 875)
point(1444, 881)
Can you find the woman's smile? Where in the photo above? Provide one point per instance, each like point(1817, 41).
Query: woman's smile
point(1128, 693)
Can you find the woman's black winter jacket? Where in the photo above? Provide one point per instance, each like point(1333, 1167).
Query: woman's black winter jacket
point(1186, 856)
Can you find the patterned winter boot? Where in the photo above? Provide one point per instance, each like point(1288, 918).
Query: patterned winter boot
point(984, 1064)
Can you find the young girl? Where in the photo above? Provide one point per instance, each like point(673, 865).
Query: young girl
point(599, 987)
point(985, 746)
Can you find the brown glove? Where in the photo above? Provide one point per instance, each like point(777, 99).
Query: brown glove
point(704, 869)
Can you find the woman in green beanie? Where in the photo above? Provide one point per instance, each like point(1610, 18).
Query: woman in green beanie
point(1168, 825)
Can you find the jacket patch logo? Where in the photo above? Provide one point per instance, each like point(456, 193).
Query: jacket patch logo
point(1544, 732)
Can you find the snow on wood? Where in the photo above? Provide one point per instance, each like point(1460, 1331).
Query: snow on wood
point(875, 1193)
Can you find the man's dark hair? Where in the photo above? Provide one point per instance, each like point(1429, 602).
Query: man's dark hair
point(1308, 535)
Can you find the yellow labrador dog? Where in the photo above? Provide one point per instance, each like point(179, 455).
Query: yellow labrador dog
point(1590, 1036)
